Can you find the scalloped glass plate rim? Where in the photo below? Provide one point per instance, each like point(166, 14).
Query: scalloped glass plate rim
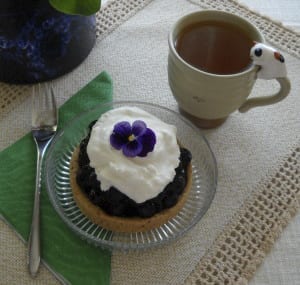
point(111, 244)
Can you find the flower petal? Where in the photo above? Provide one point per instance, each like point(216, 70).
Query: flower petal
point(148, 141)
point(138, 128)
point(132, 148)
point(117, 141)
point(123, 129)
point(135, 140)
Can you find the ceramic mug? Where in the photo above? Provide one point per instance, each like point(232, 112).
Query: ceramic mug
point(208, 98)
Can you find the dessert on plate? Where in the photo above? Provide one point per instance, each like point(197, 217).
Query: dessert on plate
point(130, 173)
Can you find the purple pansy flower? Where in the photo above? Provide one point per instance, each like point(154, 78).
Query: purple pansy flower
point(133, 140)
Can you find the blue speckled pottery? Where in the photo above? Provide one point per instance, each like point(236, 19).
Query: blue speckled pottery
point(38, 43)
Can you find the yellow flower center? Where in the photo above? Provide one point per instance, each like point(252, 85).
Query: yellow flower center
point(131, 138)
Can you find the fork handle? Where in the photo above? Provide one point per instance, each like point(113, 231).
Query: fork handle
point(34, 254)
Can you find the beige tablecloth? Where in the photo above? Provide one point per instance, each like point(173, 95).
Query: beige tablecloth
point(256, 152)
point(281, 265)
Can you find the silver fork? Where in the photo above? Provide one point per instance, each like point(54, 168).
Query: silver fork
point(44, 124)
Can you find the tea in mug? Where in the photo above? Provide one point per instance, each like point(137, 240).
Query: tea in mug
point(215, 47)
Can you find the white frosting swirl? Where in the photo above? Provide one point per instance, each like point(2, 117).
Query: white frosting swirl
point(140, 178)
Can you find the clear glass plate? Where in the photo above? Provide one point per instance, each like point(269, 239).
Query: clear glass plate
point(204, 171)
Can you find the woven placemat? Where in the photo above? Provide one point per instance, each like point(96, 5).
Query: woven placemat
point(246, 240)
point(233, 257)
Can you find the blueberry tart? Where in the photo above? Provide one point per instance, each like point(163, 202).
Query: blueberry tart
point(129, 173)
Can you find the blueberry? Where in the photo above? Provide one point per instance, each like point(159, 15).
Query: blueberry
point(83, 159)
point(98, 199)
point(180, 171)
point(84, 143)
point(81, 181)
point(130, 210)
point(118, 210)
point(93, 182)
point(91, 125)
point(179, 184)
point(185, 157)
point(107, 207)
point(170, 200)
point(92, 195)
point(146, 210)
point(82, 176)
point(86, 171)
point(115, 196)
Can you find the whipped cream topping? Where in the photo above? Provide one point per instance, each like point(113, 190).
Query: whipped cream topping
point(140, 178)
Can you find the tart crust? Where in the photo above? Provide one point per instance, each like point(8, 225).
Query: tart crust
point(123, 224)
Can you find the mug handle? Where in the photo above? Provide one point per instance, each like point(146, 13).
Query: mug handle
point(285, 87)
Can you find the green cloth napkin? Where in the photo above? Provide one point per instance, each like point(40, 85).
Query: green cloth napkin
point(70, 257)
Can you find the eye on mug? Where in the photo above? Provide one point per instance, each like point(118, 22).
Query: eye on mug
point(214, 60)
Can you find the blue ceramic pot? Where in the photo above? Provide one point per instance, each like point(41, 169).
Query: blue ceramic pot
point(38, 43)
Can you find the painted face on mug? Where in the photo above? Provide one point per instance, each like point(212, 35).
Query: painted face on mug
point(271, 62)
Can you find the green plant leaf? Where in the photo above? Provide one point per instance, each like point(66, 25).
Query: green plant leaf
point(76, 7)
